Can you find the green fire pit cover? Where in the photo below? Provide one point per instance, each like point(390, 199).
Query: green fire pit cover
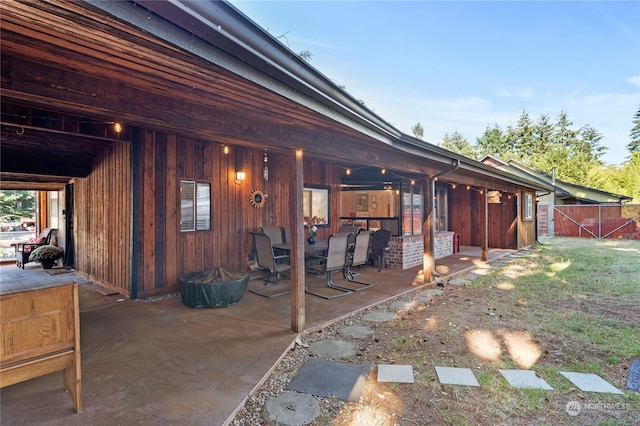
point(212, 288)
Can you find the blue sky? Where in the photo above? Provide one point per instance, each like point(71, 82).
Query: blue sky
point(465, 65)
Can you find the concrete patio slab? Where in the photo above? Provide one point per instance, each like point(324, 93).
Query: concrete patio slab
point(525, 379)
point(456, 376)
point(395, 373)
point(590, 383)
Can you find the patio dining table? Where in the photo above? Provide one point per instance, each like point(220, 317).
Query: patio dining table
point(319, 246)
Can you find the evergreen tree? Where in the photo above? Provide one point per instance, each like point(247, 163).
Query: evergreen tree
point(457, 143)
point(523, 137)
point(634, 145)
point(492, 142)
point(418, 130)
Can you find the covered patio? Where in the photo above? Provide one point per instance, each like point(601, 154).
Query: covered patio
point(156, 361)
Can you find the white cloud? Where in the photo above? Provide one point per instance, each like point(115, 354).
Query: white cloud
point(635, 80)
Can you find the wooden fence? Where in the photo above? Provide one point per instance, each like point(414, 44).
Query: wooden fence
point(589, 220)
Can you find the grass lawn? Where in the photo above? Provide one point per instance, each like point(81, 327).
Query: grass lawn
point(569, 305)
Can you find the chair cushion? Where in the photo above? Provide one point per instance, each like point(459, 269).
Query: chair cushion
point(37, 240)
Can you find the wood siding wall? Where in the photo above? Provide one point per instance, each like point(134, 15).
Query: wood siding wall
point(466, 213)
point(102, 214)
point(162, 252)
point(526, 228)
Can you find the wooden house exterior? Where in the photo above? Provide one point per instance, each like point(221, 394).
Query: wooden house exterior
point(201, 92)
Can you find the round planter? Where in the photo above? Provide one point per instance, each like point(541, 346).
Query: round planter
point(47, 263)
point(311, 240)
point(212, 288)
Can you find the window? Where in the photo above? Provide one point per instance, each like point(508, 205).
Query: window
point(527, 207)
point(195, 206)
point(441, 222)
point(412, 209)
point(315, 205)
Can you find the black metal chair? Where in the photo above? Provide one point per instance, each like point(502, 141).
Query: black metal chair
point(380, 247)
point(275, 265)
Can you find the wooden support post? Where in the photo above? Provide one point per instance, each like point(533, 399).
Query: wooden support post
point(485, 228)
point(297, 244)
point(428, 263)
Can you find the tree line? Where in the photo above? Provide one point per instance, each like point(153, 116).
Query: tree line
point(545, 143)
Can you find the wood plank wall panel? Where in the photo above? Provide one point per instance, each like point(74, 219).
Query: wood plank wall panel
point(460, 214)
point(102, 213)
point(526, 228)
point(169, 253)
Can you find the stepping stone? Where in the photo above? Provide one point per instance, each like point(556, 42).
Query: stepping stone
point(395, 373)
point(470, 276)
point(379, 316)
point(356, 331)
point(459, 282)
point(481, 272)
point(292, 408)
point(524, 379)
point(332, 349)
point(433, 292)
point(590, 383)
point(456, 376)
point(330, 379)
point(634, 376)
point(423, 299)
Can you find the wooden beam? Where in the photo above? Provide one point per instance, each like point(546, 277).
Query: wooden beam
point(485, 227)
point(297, 243)
point(428, 263)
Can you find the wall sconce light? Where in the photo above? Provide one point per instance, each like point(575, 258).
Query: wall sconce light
point(348, 172)
point(240, 174)
point(413, 182)
point(453, 186)
point(468, 187)
point(265, 169)
point(117, 127)
point(383, 171)
point(225, 149)
point(240, 177)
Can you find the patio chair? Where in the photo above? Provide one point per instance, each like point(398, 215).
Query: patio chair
point(334, 261)
point(380, 247)
point(273, 264)
point(276, 233)
point(23, 251)
point(359, 256)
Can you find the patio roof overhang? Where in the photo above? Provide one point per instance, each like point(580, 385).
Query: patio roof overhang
point(201, 67)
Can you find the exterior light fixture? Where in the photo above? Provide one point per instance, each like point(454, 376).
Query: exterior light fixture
point(240, 177)
point(225, 149)
point(117, 127)
point(383, 171)
point(265, 169)
point(348, 172)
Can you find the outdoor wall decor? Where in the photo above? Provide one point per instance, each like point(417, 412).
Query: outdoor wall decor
point(362, 202)
point(257, 198)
